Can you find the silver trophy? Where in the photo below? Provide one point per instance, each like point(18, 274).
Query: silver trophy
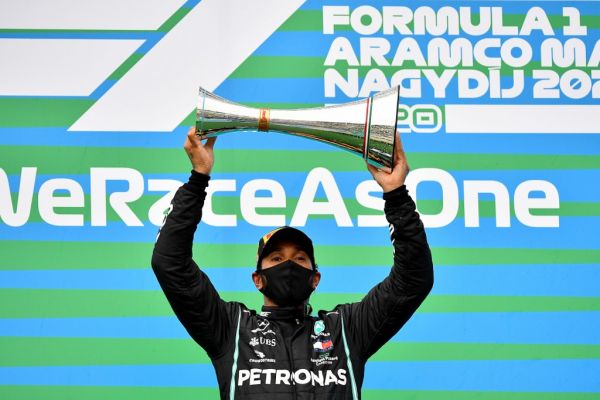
point(366, 127)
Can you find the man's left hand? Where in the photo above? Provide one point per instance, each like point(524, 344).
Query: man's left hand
point(390, 179)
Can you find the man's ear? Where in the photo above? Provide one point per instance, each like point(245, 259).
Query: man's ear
point(316, 279)
point(258, 280)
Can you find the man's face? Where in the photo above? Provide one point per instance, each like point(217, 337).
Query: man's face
point(283, 251)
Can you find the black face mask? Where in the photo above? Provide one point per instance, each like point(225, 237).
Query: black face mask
point(288, 283)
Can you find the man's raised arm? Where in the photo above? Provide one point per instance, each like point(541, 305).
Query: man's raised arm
point(386, 308)
point(189, 291)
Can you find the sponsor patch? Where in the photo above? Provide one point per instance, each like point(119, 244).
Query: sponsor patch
point(263, 328)
point(255, 341)
point(261, 358)
point(322, 346)
point(324, 359)
point(256, 376)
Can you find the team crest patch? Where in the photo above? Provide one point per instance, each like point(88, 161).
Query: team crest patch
point(319, 327)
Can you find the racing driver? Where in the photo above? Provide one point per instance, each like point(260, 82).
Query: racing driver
point(284, 352)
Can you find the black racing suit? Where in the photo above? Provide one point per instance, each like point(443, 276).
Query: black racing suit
point(283, 353)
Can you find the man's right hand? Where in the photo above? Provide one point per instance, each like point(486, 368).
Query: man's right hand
point(201, 155)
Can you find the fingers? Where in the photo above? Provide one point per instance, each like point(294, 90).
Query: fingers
point(192, 137)
point(210, 143)
point(378, 170)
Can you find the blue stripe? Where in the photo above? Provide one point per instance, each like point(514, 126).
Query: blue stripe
point(508, 376)
point(574, 233)
point(528, 375)
point(572, 185)
point(102, 89)
point(495, 280)
point(563, 327)
point(555, 144)
point(318, 44)
point(188, 375)
point(101, 327)
point(190, 4)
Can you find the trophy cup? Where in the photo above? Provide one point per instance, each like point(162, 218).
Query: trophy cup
point(366, 127)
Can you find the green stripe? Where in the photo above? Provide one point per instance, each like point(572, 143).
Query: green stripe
point(230, 205)
point(38, 112)
point(488, 208)
point(48, 303)
point(57, 160)
point(55, 392)
point(22, 255)
point(28, 351)
point(267, 67)
point(461, 256)
point(33, 112)
point(174, 19)
point(312, 20)
point(31, 392)
point(442, 304)
point(281, 67)
point(32, 351)
point(404, 351)
point(123, 69)
point(304, 21)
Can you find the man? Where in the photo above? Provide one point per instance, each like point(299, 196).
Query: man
point(284, 352)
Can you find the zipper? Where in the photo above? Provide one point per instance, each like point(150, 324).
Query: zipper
point(300, 326)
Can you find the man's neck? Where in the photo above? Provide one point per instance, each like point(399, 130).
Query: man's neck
point(283, 313)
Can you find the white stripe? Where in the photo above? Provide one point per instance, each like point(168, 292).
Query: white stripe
point(88, 14)
point(525, 118)
point(235, 357)
point(59, 67)
point(202, 50)
point(349, 361)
